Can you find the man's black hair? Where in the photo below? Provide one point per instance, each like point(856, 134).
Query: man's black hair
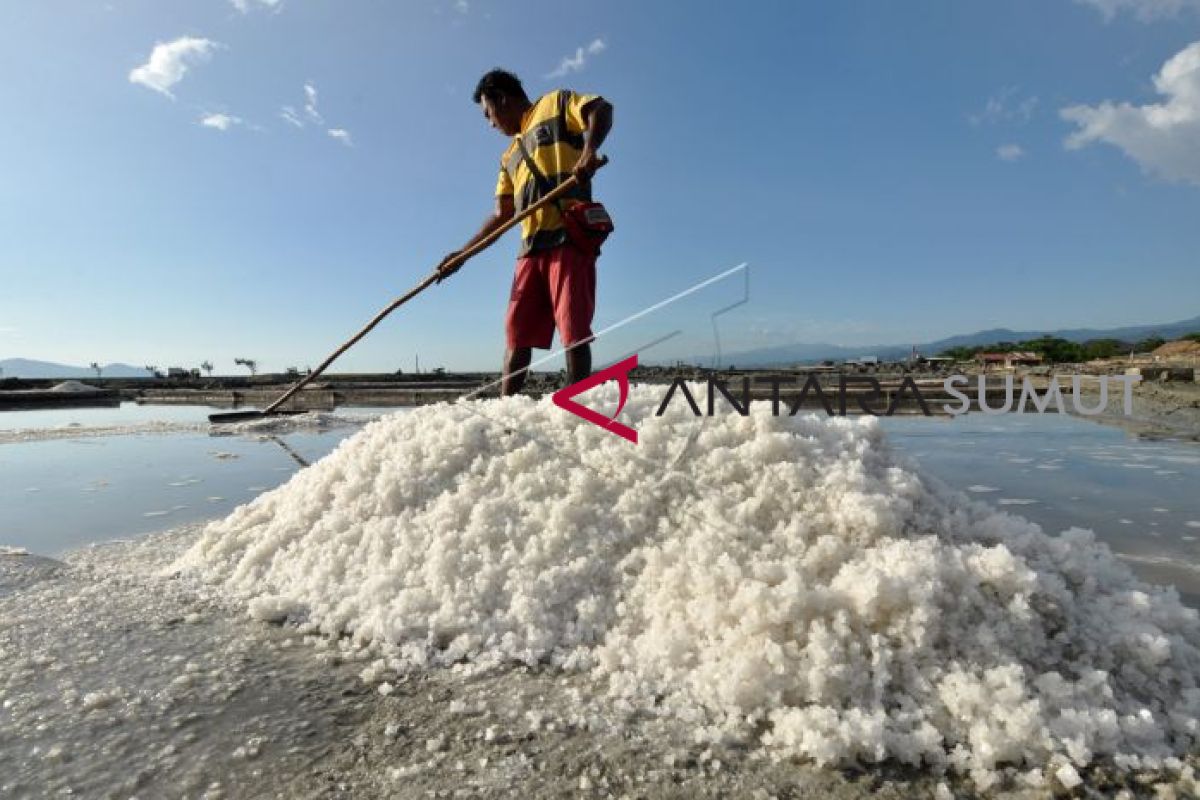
point(498, 83)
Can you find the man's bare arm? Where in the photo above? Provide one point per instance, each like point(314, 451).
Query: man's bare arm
point(598, 118)
point(505, 208)
point(501, 214)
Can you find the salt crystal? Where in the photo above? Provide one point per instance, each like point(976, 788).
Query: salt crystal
point(1068, 777)
point(95, 700)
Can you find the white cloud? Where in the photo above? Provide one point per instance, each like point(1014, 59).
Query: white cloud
point(221, 122)
point(310, 103)
point(576, 62)
point(169, 62)
point(244, 5)
point(1145, 10)
point(1164, 138)
point(462, 6)
point(1010, 152)
point(288, 114)
point(1004, 107)
point(312, 114)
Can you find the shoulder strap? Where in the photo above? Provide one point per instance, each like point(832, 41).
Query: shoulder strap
point(564, 95)
point(542, 181)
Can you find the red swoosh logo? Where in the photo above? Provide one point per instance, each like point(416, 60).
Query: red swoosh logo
point(618, 372)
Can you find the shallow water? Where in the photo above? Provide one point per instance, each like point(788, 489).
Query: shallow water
point(129, 414)
point(61, 494)
point(1138, 495)
point(64, 492)
point(100, 416)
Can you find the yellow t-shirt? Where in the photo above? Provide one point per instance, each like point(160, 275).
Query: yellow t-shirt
point(552, 130)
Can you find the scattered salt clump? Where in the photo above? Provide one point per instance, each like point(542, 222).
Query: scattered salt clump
point(790, 575)
point(99, 699)
point(287, 423)
point(73, 387)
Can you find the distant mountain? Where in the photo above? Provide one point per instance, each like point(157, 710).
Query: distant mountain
point(802, 352)
point(1133, 333)
point(27, 368)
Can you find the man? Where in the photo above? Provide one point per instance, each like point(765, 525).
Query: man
point(554, 285)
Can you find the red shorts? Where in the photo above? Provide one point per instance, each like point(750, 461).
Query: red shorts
point(551, 288)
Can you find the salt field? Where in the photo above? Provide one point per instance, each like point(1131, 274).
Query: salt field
point(371, 429)
point(472, 595)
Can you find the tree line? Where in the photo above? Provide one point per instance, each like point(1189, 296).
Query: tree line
point(1055, 350)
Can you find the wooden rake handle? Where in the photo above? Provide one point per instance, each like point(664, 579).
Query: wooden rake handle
point(460, 259)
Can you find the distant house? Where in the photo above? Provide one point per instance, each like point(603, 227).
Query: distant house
point(1010, 360)
point(176, 372)
point(1023, 359)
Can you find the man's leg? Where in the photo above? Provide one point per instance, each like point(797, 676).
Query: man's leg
point(573, 294)
point(516, 362)
point(528, 323)
point(579, 362)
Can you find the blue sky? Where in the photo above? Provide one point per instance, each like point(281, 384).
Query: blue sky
point(891, 172)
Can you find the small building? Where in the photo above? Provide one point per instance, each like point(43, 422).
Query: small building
point(937, 363)
point(990, 360)
point(1023, 359)
point(1009, 360)
point(177, 372)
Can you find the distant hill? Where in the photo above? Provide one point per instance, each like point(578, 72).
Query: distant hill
point(781, 355)
point(28, 368)
point(1169, 330)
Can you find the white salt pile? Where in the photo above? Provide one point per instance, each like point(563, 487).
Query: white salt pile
point(790, 579)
